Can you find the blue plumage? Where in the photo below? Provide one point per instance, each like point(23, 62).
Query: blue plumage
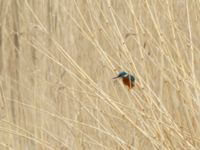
point(127, 79)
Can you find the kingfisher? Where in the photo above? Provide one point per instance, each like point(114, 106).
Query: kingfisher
point(128, 79)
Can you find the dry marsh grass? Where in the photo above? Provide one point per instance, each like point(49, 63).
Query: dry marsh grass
point(57, 60)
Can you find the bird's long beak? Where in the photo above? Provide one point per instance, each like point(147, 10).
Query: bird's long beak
point(115, 77)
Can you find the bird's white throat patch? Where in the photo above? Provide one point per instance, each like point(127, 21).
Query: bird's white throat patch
point(126, 75)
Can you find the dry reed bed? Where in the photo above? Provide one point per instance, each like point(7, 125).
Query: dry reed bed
point(57, 59)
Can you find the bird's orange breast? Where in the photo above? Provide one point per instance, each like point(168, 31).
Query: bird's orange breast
point(128, 82)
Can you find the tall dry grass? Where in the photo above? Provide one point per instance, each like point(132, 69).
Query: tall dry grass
point(57, 60)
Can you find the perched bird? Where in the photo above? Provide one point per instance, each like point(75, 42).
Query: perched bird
point(127, 79)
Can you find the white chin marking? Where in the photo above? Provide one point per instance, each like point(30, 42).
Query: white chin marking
point(126, 75)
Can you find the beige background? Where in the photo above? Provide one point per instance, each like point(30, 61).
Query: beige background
point(57, 60)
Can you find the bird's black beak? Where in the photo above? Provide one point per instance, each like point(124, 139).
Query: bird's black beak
point(115, 77)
